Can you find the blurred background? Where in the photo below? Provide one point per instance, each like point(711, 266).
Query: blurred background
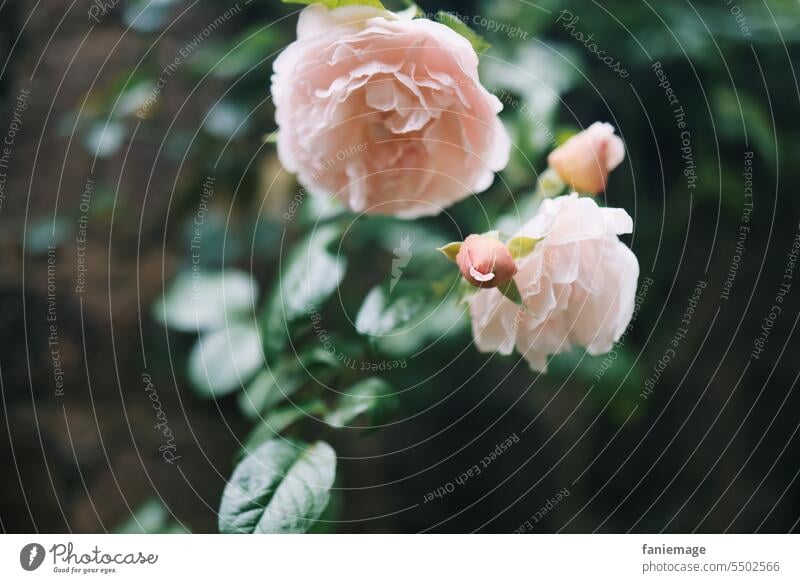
point(128, 124)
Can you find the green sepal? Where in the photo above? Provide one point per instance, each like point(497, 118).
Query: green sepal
point(450, 250)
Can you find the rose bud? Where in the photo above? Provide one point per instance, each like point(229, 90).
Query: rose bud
point(585, 160)
point(485, 262)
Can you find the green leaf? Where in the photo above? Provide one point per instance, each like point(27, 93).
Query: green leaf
point(337, 3)
point(511, 291)
point(281, 487)
point(269, 388)
point(206, 300)
point(147, 15)
point(521, 246)
point(310, 274)
point(224, 359)
point(251, 48)
point(285, 378)
point(277, 421)
point(150, 518)
point(366, 396)
point(451, 250)
point(382, 312)
point(104, 138)
point(452, 21)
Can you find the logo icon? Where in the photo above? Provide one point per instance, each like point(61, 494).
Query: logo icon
point(402, 255)
point(31, 556)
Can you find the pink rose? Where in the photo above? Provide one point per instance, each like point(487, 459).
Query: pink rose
point(385, 113)
point(485, 262)
point(585, 160)
point(578, 285)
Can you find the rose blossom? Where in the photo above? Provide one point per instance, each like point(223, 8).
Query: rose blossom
point(585, 160)
point(578, 285)
point(385, 113)
point(485, 262)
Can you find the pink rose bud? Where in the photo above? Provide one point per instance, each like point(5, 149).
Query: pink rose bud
point(485, 262)
point(585, 160)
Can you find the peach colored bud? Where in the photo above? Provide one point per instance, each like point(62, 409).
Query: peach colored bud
point(585, 160)
point(485, 262)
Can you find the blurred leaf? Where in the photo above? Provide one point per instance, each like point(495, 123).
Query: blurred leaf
point(309, 275)
point(616, 374)
point(269, 388)
point(382, 312)
point(283, 380)
point(150, 518)
point(457, 24)
point(280, 487)
point(250, 49)
point(46, 231)
point(735, 111)
point(225, 119)
point(367, 396)
point(222, 360)
point(134, 98)
point(199, 301)
point(146, 15)
point(529, 80)
point(104, 138)
point(277, 421)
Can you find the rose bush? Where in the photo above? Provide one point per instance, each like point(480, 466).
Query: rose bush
point(385, 112)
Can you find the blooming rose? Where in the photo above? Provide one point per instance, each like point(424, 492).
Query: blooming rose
point(485, 262)
point(585, 160)
point(578, 285)
point(385, 112)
